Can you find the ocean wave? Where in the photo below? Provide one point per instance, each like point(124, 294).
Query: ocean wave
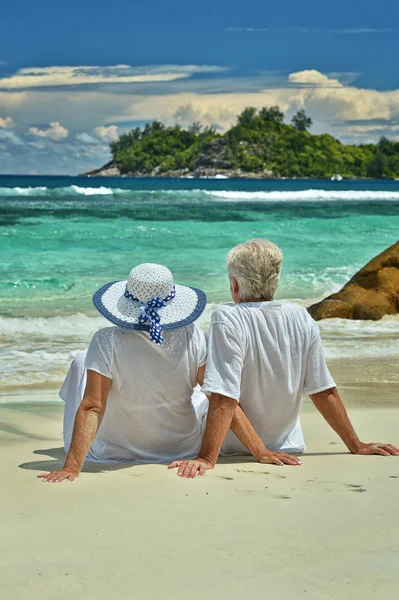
point(78, 190)
point(23, 191)
point(366, 350)
point(388, 326)
point(310, 195)
point(75, 326)
point(38, 351)
point(93, 191)
point(43, 191)
point(351, 339)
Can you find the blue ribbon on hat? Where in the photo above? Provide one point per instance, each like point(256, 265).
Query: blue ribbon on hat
point(149, 312)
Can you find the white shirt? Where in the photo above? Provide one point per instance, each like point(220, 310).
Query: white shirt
point(266, 355)
point(149, 416)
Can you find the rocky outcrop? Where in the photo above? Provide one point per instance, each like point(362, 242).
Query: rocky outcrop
point(112, 170)
point(108, 170)
point(215, 155)
point(372, 293)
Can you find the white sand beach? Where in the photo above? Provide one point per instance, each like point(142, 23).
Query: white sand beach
point(327, 529)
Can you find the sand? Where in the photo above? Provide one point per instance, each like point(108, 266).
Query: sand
point(326, 529)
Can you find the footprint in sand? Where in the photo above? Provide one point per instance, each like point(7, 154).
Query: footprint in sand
point(355, 488)
point(253, 472)
point(353, 485)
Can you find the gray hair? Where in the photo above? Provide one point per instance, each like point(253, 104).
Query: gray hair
point(256, 265)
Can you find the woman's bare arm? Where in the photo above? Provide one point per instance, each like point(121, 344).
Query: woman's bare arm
point(87, 422)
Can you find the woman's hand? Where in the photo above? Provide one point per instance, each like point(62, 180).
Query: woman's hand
point(278, 458)
point(191, 468)
point(61, 475)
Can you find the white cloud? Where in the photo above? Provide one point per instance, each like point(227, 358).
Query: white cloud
point(348, 31)
point(336, 105)
point(6, 123)
point(107, 134)
point(330, 103)
point(39, 77)
point(55, 132)
point(86, 138)
point(186, 114)
point(10, 137)
point(360, 30)
point(312, 77)
point(246, 29)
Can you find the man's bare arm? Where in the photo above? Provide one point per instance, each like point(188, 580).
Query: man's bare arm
point(225, 413)
point(200, 375)
point(87, 422)
point(244, 430)
point(220, 415)
point(330, 405)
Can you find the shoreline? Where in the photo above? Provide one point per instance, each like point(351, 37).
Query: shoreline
point(224, 175)
point(363, 381)
point(243, 177)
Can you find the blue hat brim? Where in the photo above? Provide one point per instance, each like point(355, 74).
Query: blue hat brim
point(197, 312)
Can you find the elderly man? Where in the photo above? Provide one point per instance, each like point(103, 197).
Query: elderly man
point(266, 355)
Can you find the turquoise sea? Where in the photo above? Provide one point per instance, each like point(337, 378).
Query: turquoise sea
point(61, 238)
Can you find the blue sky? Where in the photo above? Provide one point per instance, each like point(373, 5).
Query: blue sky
point(74, 75)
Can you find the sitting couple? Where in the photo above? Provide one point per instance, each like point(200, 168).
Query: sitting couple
point(133, 396)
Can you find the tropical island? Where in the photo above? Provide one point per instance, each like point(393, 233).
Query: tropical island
point(259, 145)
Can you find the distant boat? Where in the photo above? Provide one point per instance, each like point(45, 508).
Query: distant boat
point(337, 177)
point(220, 176)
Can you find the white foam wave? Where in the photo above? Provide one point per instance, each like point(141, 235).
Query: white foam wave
point(78, 190)
point(38, 351)
point(304, 195)
point(75, 326)
point(344, 338)
point(43, 191)
point(94, 191)
point(224, 195)
point(36, 367)
point(368, 350)
point(21, 191)
point(388, 326)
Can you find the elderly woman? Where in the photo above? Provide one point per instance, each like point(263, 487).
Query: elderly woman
point(141, 374)
point(265, 355)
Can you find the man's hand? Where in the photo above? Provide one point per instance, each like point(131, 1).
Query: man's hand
point(61, 475)
point(191, 468)
point(278, 458)
point(382, 449)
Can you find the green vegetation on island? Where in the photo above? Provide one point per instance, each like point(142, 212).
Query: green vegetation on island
point(261, 144)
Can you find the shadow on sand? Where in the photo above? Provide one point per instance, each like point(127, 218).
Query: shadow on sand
point(58, 456)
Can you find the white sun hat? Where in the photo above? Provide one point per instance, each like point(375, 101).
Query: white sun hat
point(150, 301)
